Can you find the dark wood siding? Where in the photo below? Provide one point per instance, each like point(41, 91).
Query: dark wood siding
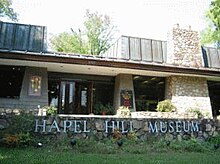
point(22, 37)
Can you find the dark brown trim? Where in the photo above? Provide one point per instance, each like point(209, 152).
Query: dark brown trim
point(104, 63)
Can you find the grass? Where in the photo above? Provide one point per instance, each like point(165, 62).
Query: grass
point(104, 153)
point(31, 156)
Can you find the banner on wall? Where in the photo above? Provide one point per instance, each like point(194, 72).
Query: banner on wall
point(126, 98)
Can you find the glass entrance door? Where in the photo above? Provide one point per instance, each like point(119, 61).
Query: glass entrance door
point(75, 97)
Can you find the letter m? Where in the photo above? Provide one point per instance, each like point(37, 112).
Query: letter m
point(195, 127)
point(153, 128)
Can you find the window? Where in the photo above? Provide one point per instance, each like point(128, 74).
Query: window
point(148, 92)
point(81, 94)
point(214, 94)
point(11, 78)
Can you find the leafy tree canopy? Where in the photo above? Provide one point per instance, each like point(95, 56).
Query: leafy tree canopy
point(95, 38)
point(212, 33)
point(7, 11)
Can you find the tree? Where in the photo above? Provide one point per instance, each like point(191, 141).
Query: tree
point(69, 42)
point(212, 33)
point(99, 32)
point(6, 10)
point(95, 39)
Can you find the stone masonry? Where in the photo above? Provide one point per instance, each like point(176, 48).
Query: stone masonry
point(183, 48)
point(189, 93)
point(103, 127)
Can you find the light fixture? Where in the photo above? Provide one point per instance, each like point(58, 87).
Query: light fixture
point(216, 146)
point(39, 144)
point(145, 82)
point(136, 77)
point(73, 142)
point(161, 82)
point(119, 142)
point(35, 86)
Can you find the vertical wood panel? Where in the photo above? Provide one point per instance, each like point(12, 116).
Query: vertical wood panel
point(135, 49)
point(124, 47)
point(164, 51)
point(7, 32)
point(157, 51)
point(146, 50)
point(21, 37)
point(214, 57)
point(36, 35)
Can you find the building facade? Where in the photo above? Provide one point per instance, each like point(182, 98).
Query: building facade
point(134, 72)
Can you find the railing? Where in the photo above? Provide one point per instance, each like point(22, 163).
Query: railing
point(22, 37)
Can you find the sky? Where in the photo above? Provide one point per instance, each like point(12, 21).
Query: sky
point(140, 18)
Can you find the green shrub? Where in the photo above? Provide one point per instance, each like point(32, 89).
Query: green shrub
point(196, 111)
point(123, 112)
point(21, 123)
point(51, 110)
point(102, 109)
point(19, 131)
point(132, 136)
point(165, 106)
point(14, 140)
point(24, 139)
point(215, 139)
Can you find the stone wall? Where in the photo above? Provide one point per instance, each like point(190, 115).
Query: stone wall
point(189, 93)
point(152, 124)
point(183, 47)
point(103, 127)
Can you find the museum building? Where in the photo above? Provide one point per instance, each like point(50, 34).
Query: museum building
point(135, 72)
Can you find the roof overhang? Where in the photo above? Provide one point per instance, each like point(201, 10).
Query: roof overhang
point(101, 66)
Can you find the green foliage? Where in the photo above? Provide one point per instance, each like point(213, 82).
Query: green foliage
point(21, 139)
point(132, 136)
point(7, 11)
point(60, 146)
point(24, 139)
point(196, 111)
point(99, 32)
point(95, 39)
point(51, 110)
point(102, 109)
point(190, 145)
point(118, 156)
point(212, 33)
point(165, 106)
point(21, 123)
point(18, 133)
point(69, 42)
point(123, 112)
point(215, 139)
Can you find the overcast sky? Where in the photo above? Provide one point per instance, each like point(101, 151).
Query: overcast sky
point(141, 18)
